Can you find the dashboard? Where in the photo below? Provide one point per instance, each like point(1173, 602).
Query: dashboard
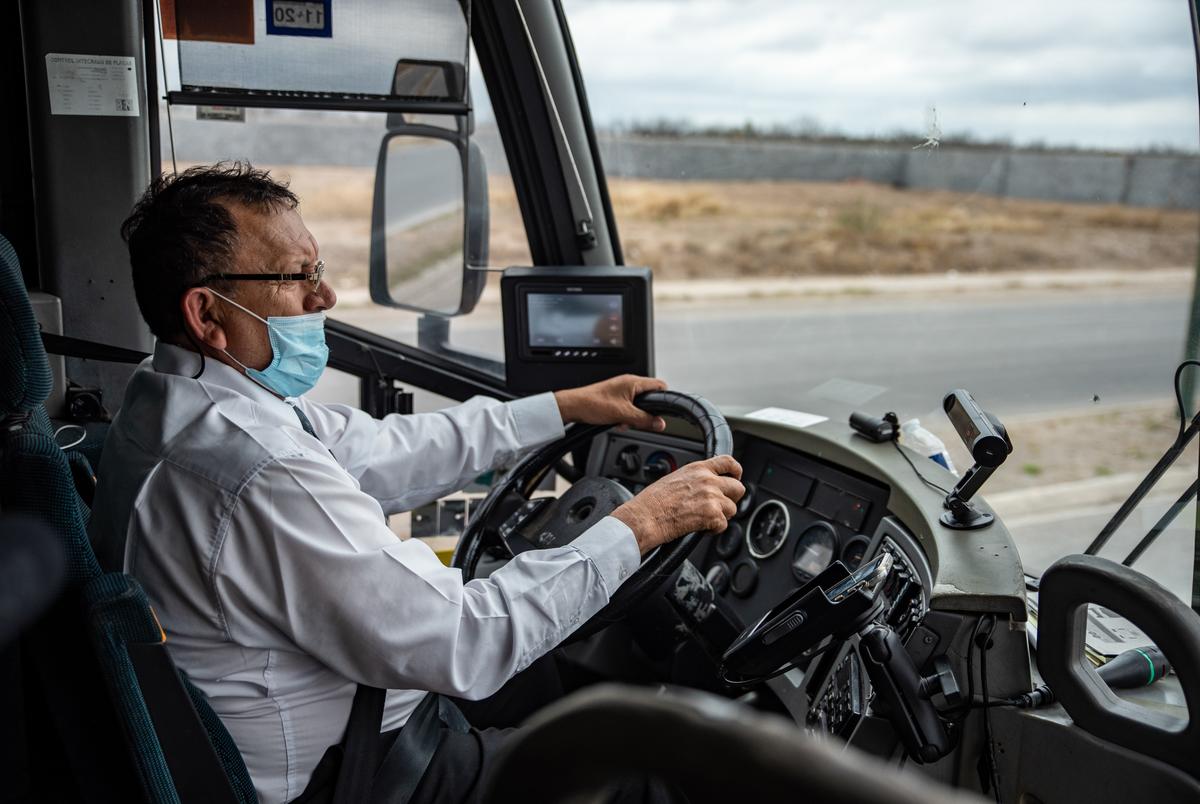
point(799, 515)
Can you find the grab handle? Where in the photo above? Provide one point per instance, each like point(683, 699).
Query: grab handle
point(1067, 588)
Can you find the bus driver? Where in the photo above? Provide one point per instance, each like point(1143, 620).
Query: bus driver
point(256, 518)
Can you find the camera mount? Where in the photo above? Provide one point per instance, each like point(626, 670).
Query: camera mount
point(988, 442)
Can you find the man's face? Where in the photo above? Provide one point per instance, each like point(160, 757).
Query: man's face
point(275, 243)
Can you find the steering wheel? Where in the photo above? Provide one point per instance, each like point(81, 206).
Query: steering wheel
point(510, 518)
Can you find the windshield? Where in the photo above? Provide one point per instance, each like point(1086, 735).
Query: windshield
point(872, 204)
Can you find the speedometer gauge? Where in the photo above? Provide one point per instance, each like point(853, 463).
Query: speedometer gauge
point(767, 529)
point(814, 551)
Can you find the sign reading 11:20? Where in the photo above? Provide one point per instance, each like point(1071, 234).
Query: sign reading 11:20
point(299, 18)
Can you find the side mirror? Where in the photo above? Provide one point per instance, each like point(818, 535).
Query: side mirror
point(429, 222)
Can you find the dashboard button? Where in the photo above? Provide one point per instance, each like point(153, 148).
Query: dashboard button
point(744, 578)
point(743, 505)
point(790, 623)
point(729, 541)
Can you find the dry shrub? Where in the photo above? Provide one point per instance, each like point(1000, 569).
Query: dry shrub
point(663, 201)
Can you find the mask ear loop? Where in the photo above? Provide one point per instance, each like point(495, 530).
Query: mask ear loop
point(199, 349)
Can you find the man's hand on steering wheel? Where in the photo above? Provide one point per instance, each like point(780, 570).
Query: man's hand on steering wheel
point(610, 402)
point(669, 515)
point(701, 496)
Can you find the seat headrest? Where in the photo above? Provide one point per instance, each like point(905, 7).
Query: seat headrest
point(24, 371)
point(709, 748)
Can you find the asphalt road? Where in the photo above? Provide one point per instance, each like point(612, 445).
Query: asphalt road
point(1044, 538)
point(1027, 354)
point(423, 181)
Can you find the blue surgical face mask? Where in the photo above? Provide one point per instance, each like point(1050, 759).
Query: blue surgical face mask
point(298, 352)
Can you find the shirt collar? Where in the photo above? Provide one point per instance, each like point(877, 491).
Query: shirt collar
point(171, 359)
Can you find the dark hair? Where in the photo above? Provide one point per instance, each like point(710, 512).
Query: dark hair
point(180, 232)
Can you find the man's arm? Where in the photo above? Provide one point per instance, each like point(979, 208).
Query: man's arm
point(306, 555)
point(405, 461)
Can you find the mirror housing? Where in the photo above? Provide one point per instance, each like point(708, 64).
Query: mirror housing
point(391, 268)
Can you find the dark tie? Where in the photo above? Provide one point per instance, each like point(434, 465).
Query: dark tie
point(304, 422)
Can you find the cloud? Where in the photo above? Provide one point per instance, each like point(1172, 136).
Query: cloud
point(1107, 73)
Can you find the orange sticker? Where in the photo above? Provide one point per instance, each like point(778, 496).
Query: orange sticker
point(228, 21)
point(166, 10)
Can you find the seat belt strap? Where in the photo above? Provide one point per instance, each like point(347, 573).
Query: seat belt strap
point(412, 752)
point(91, 350)
point(360, 747)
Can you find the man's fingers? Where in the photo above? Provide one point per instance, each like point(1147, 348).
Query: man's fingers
point(728, 508)
point(643, 384)
point(725, 465)
point(731, 487)
point(643, 420)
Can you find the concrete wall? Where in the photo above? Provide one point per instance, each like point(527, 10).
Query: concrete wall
point(1140, 180)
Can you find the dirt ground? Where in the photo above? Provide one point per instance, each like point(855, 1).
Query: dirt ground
point(740, 229)
point(710, 230)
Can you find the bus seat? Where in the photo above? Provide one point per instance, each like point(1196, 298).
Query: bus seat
point(709, 748)
point(95, 665)
point(23, 362)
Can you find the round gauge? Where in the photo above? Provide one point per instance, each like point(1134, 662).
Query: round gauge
point(744, 578)
point(747, 500)
point(854, 551)
point(768, 529)
point(718, 577)
point(815, 550)
point(729, 541)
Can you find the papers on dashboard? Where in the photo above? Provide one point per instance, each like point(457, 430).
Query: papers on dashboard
point(1108, 633)
point(792, 418)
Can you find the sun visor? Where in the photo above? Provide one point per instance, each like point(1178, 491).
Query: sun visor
point(407, 55)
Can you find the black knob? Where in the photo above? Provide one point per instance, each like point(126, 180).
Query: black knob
point(743, 505)
point(744, 578)
point(730, 541)
point(942, 681)
point(658, 468)
point(628, 461)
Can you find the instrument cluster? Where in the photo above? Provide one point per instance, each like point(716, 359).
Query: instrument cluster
point(798, 516)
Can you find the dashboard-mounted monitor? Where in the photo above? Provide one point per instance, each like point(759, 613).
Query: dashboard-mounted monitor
point(572, 326)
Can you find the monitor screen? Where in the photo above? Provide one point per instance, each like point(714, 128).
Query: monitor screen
point(576, 320)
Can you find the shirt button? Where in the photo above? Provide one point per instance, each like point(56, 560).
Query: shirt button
point(624, 572)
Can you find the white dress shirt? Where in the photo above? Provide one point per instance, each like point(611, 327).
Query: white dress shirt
point(265, 553)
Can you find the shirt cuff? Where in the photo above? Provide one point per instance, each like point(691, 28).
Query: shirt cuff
point(537, 420)
point(610, 545)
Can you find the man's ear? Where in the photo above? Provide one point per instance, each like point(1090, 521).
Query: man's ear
point(201, 320)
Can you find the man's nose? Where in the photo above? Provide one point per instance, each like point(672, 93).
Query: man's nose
point(323, 298)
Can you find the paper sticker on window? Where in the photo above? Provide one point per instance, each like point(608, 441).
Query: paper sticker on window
point(299, 18)
point(99, 86)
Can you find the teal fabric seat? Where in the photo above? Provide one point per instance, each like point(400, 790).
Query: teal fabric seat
point(107, 715)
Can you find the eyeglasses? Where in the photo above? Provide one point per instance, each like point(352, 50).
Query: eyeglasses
point(313, 276)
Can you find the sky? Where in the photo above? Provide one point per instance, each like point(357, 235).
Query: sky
point(1096, 73)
